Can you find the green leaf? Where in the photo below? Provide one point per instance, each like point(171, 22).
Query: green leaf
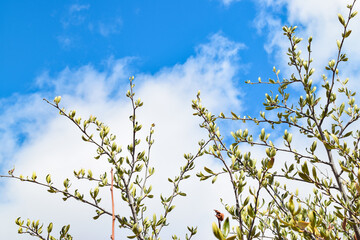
point(347, 34)
point(270, 163)
point(341, 19)
point(208, 170)
point(50, 227)
point(291, 205)
point(246, 201)
point(48, 178)
point(338, 43)
point(305, 177)
point(347, 134)
point(171, 208)
point(214, 179)
point(335, 138)
point(312, 218)
point(314, 173)
point(302, 225)
point(344, 168)
point(305, 168)
point(182, 194)
point(231, 238)
point(226, 227)
point(234, 115)
point(217, 232)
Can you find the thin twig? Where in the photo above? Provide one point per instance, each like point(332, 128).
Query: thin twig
point(112, 205)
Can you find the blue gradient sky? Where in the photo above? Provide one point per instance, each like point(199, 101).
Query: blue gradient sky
point(48, 36)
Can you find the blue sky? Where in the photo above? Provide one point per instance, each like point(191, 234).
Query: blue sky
point(85, 51)
point(49, 36)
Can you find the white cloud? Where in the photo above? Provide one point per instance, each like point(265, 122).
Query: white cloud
point(317, 19)
point(54, 145)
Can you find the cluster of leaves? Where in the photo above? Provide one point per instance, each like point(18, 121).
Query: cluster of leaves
point(269, 209)
point(130, 178)
point(35, 229)
point(224, 231)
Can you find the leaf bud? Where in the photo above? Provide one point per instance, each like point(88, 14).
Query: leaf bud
point(50, 227)
point(312, 70)
point(33, 177)
point(341, 19)
point(48, 178)
point(354, 14)
point(57, 100)
point(96, 192)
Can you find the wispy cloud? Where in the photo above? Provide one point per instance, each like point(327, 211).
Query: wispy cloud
point(64, 41)
point(228, 2)
point(110, 27)
point(78, 16)
point(53, 144)
point(75, 15)
point(78, 7)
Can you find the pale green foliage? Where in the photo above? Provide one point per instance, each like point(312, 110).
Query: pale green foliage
point(35, 229)
point(131, 175)
point(264, 206)
point(224, 232)
point(269, 209)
